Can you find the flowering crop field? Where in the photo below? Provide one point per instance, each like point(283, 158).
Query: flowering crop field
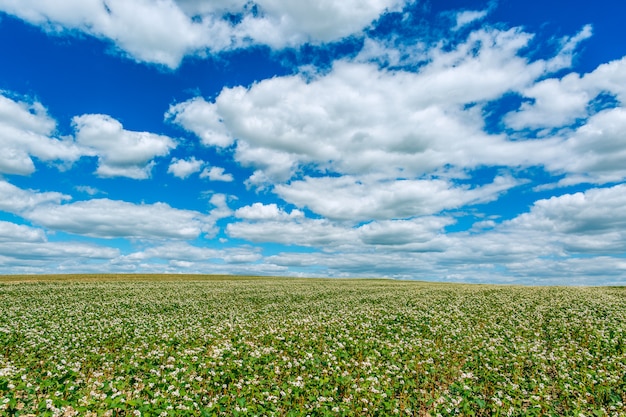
point(202, 346)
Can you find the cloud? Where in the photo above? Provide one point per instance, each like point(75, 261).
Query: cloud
point(269, 223)
point(560, 102)
point(121, 152)
point(358, 118)
point(200, 117)
point(57, 253)
point(182, 168)
point(421, 234)
point(193, 256)
point(597, 150)
point(88, 190)
point(260, 211)
point(27, 131)
point(466, 17)
point(106, 218)
point(25, 249)
point(575, 235)
point(11, 232)
point(349, 198)
point(554, 103)
point(15, 200)
point(590, 221)
point(164, 32)
point(216, 174)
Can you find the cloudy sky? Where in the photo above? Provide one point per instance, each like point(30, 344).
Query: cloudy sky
point(461, 140)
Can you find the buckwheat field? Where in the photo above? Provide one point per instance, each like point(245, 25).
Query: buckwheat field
point(211, 346)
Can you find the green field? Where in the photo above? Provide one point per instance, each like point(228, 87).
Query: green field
point(204, 346)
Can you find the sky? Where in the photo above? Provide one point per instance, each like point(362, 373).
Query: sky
point(457, 141)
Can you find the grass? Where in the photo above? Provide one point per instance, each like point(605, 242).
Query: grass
point(242, 346)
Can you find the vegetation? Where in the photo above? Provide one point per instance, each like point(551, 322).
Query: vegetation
point(205, 346)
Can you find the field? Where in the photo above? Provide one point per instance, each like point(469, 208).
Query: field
point(205, 346)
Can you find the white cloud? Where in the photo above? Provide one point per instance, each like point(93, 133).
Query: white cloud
point(268, 223)
point(558, 102)
point(25, 249)
point(421, 234)
point(182, 168)
point(590, 221)
point(610, 77)
point(466, 17)
point(165, 31)
point(12, 233)
point(27, 131)
point(298, 232)
point(216, 174)
point(568, 48)
point(200, 117)
point(555, 103)
point(112, 219)
point(88, 190)
point(595, 152)
point(192, 255)
point(56, 253)
point(573, 235)
point(354, 199)
point(360, 119)
point(260, 211)
point(15, 200)
point(120, 152)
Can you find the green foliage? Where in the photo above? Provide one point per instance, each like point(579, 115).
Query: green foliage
point(287, 347)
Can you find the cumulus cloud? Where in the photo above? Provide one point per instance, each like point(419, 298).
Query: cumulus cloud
point(28, 254)
point(260, 211)
point(192, 255)
point(597, 149)
point(16, 200)
point(216, 174)
point(11, 232)
point(105, 218)
point(112, 219)
point(121, 152)
point(163, 32)
point(269, 223)
point(349, 198)
point(182, 168)
point(26, 249)
point(559, 102)
point(421, 234)
point(573, 235)
point(359, 119)
point(27, 131)
point(583, 222)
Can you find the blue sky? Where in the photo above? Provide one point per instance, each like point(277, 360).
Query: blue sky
point(462, 141)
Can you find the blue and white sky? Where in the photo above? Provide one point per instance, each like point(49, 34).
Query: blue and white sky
point(462, 140)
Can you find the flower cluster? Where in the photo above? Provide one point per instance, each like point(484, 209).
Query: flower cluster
point(297, 347)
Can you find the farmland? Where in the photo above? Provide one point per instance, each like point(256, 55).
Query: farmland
point(195, 345)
